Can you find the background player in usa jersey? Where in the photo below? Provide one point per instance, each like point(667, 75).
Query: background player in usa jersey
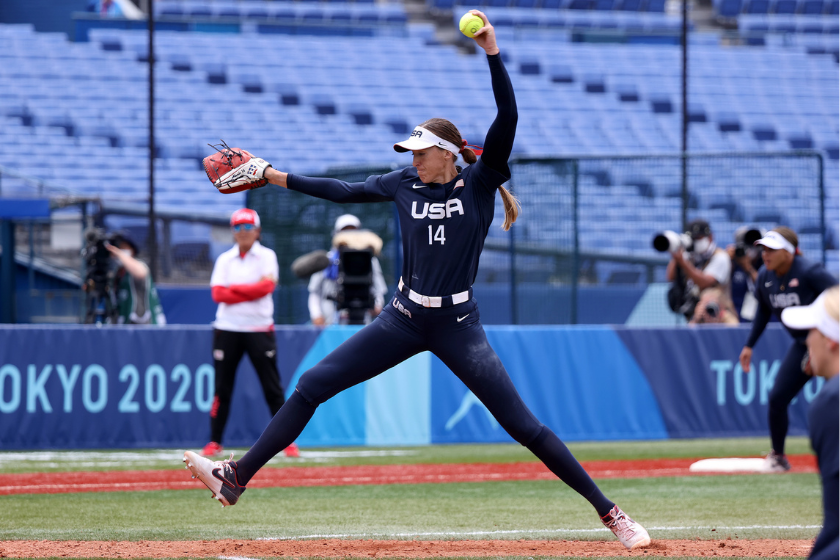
point(445, 213)
point(787, 279)
point(820, 321)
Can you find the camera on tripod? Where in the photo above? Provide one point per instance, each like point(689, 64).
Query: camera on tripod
point(100, 300)
point(745, 238)
point(349, 268)
point(355, 279)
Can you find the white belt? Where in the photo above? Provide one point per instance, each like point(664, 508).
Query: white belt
point(434, 301)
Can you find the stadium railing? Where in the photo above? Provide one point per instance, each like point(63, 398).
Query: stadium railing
point(581, 251)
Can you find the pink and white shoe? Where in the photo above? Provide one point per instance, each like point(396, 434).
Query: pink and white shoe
point(218, 476)
point(629, 533)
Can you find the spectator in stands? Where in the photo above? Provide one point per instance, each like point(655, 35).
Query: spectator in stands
point(324, 288)
point(714, 307)
point(242, 283)
point(786, 280)
point(821, 320)
point(746, 260)
point(137, 298)
point(105, 8)
point(702, 266)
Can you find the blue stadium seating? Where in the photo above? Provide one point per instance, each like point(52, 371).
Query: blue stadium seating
point(294, 95)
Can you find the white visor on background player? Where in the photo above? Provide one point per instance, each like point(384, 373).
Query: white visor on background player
point(422, 138)
point(814, 316)
point(775, 240)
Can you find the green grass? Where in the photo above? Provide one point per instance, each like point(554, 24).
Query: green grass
point(705, 507)
point(744, 506)
point(46, 461)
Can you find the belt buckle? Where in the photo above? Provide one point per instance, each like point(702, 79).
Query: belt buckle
point(424, 301)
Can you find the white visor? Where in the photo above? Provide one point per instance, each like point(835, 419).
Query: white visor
point(422, 138)
point(814, 316)
point(775, 240)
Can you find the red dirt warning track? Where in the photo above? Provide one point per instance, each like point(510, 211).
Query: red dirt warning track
point(125, 481)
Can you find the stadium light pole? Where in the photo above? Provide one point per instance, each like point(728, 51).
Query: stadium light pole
point(152, 229)
point(684, 143)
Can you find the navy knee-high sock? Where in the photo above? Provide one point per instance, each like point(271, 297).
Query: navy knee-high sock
point(283, 429)
point(557, 457)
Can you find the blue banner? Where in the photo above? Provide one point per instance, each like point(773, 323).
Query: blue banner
point(121, 387)
point(699, 383)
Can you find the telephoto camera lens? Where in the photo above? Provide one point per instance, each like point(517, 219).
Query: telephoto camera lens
point(712, 309)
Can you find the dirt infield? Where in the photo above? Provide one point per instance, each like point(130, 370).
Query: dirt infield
point(117, 481)
point(395, 549)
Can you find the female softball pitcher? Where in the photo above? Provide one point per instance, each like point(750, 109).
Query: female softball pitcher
point(445, 213)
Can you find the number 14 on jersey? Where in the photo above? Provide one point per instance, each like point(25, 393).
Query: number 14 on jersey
point(437, 235)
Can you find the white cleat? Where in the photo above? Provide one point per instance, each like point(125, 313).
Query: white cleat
point(629, 533)
point(218, 476)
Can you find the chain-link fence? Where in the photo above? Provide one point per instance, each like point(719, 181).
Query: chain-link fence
point(582, 251)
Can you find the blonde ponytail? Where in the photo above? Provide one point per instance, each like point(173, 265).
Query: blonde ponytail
point(512, 207)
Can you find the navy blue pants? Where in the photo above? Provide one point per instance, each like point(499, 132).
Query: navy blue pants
point(789, 381)
point(403, 329)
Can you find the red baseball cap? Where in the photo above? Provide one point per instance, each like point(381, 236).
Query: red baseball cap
point(245, 216)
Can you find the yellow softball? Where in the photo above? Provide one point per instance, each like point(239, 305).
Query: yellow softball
point(470, 23)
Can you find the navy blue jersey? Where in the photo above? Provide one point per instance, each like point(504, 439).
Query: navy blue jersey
point(443, 226)
point(800, 286)
point(823, 420)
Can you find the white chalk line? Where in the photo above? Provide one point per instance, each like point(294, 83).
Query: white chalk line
point(530, 531)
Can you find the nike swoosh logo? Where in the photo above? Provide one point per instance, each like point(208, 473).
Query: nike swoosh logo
point(462, 318)
point(416, 186)
point(222, 478)
point(768, 284)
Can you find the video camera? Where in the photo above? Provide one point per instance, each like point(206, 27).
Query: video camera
point(355, 279)
point(353, 274)
point(745, 238)
point(100, 302)
point(97, 257)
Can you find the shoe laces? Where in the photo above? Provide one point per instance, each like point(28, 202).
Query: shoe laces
point(622, 524)
point(227, 468)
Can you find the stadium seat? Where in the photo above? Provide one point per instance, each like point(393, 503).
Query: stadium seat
point(757, 7)
point(800, 141)
point(728, 122)
point(655, 6)
point(784, 7)
point(728, 8)
point(630, 5)
point(811, 7)
point(764, 132)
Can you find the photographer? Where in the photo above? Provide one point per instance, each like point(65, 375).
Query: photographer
point(714, 308)
point(746, 260)
point(325, 286)
point(696, 264)
point(137, 297)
